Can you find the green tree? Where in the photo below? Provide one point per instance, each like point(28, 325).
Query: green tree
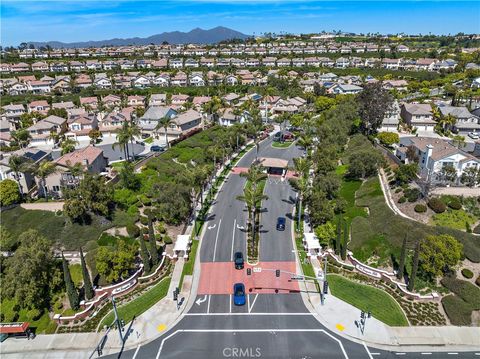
point(42, 171)
point(325, 233)
point(60, 112)
point(164, 123)
point(388, 138)
point(114, 263)
point(21, 137)
point(145, 256)
point(374, 103)
point(323, 103)
point(406, 173)
point(8, 242)
point(95, 136)
point(27, 119)
point(439, 254)
point(152, 242)
point(411, 280)
point(68, 145)
point(128, 177)
point(71, 290)
point(87, 281)
point(364, 163)
point(123, 137)
point(9, 193)
point(403, 254)
point(29, 274)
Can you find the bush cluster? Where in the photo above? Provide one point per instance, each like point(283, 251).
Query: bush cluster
point(467, 273)
point(412, 194)
point(420, 208)
point(455, 204)
point(402, 199)
point(437, 205)
point(133, 230)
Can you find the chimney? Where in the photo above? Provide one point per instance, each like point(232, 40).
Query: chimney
point(428, 153)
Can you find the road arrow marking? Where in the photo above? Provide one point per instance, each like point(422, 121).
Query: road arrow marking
point(240, 227)
point(200, 301)
point(212, 227)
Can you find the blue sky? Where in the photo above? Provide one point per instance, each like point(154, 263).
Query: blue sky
point(104, 19)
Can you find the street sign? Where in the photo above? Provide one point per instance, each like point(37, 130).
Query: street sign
point(257, 269)
point(296, 277)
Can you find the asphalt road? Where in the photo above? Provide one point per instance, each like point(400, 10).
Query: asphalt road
point(270, 325)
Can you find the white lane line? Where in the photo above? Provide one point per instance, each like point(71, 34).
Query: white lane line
point(216, 240)
point(237, 331)
point(452, 353)
point(426, 353)
point(248, 302)
point(254, 300)
point(208, 304)
point(136, 352)
point(233, 236)
point(375, 353)
point(366, 349)
point(400, 353)
point(271, 313)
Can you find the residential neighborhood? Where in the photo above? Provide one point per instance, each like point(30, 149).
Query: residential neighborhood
point(174, 188)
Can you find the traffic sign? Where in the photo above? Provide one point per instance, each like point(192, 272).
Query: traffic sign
point(257, 269)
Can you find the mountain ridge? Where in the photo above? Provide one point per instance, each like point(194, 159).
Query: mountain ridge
point(194, 36)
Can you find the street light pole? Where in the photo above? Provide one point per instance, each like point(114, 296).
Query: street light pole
point(117, 320)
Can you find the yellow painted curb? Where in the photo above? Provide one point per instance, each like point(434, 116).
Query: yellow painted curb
point(340, 327)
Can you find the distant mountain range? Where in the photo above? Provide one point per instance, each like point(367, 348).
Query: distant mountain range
point(196, 36)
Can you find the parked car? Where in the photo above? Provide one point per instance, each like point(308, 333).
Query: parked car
point(238, 294)
point(281, 223)
point(156, 148)
point(239, 262)
point(474, 135)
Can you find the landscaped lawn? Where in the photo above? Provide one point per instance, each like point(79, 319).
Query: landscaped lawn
point(381, 233)
point(55, 228)
point(42, 324)
point(140, 304)
point(76, 274)
point(347, 192)
point(456, 219)
point(366, 298)
point(277, 144)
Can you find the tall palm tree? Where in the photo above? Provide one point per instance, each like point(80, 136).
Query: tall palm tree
point(122, 140)
point(200, 176)
point(17, 164)
point(42, 171)
point(252, 197)
point(133, 130)
point(254, 175)
point(302, 167)
point(215, 152)
point(22, 137)
point(164, 123)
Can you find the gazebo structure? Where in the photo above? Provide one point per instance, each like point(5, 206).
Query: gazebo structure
point(182, 246)
point(275, 166)
point(311, 244)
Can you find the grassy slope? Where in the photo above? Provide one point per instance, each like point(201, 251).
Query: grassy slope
point(366, 298)
point(140, 304)
point(382, 232)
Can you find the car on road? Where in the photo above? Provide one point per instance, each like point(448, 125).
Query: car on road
point(238, 294)
point(156, 148)
point(474, 135)
point(239, 260)
point(281, 223)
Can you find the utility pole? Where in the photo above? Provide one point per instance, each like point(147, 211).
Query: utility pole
point(120, 323)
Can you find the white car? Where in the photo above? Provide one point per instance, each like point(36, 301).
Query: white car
point(474, 135)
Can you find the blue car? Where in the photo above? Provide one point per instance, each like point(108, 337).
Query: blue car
point(238, 294)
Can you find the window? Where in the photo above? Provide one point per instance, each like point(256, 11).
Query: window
point(56, 188)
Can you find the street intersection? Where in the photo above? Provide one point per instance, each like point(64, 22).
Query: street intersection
point(274, 323)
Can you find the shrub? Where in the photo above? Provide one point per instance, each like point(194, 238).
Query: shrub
point(133, 230)
point(477, 281)
point(398, 190)
point(437, 205)
point(144, 220)
point(388, 138)
point(467, 227)
point(161, 228)
point(476, 230)
point(167, 240)
point(467, 273)
point(412, 194)
point(420, 208)
point(455, 204)
point(402, 199)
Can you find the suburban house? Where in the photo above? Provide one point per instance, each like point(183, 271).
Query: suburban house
point(80, 127)
point(40, 106)
point(25, 179)
point(13, 112)
point(418, 116)
point(149, 121)
point(435, 154)
point(111, 123)
point(183, 124)
point(229, 118)
point(391, 119)
point(42, 131)
point(157, 99)
point(465, 121)
point(91, 159)
point(89, 102)
point(344, 89)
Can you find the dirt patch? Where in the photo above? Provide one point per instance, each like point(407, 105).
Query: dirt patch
point(117, 231)
point(408, 208)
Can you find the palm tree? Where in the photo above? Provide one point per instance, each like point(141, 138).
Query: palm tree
point(302, 167)
point(42, 171)
point(133, 130)
point(68, 145)
point(164, 123)
point(213, 107)
point(123, 139)
point(254, 175)
point(252, 196)
point(75, 170)
point(305, 141)
point(215, 152)
point(17, 164)
point(200, 176)
point(22, 137)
